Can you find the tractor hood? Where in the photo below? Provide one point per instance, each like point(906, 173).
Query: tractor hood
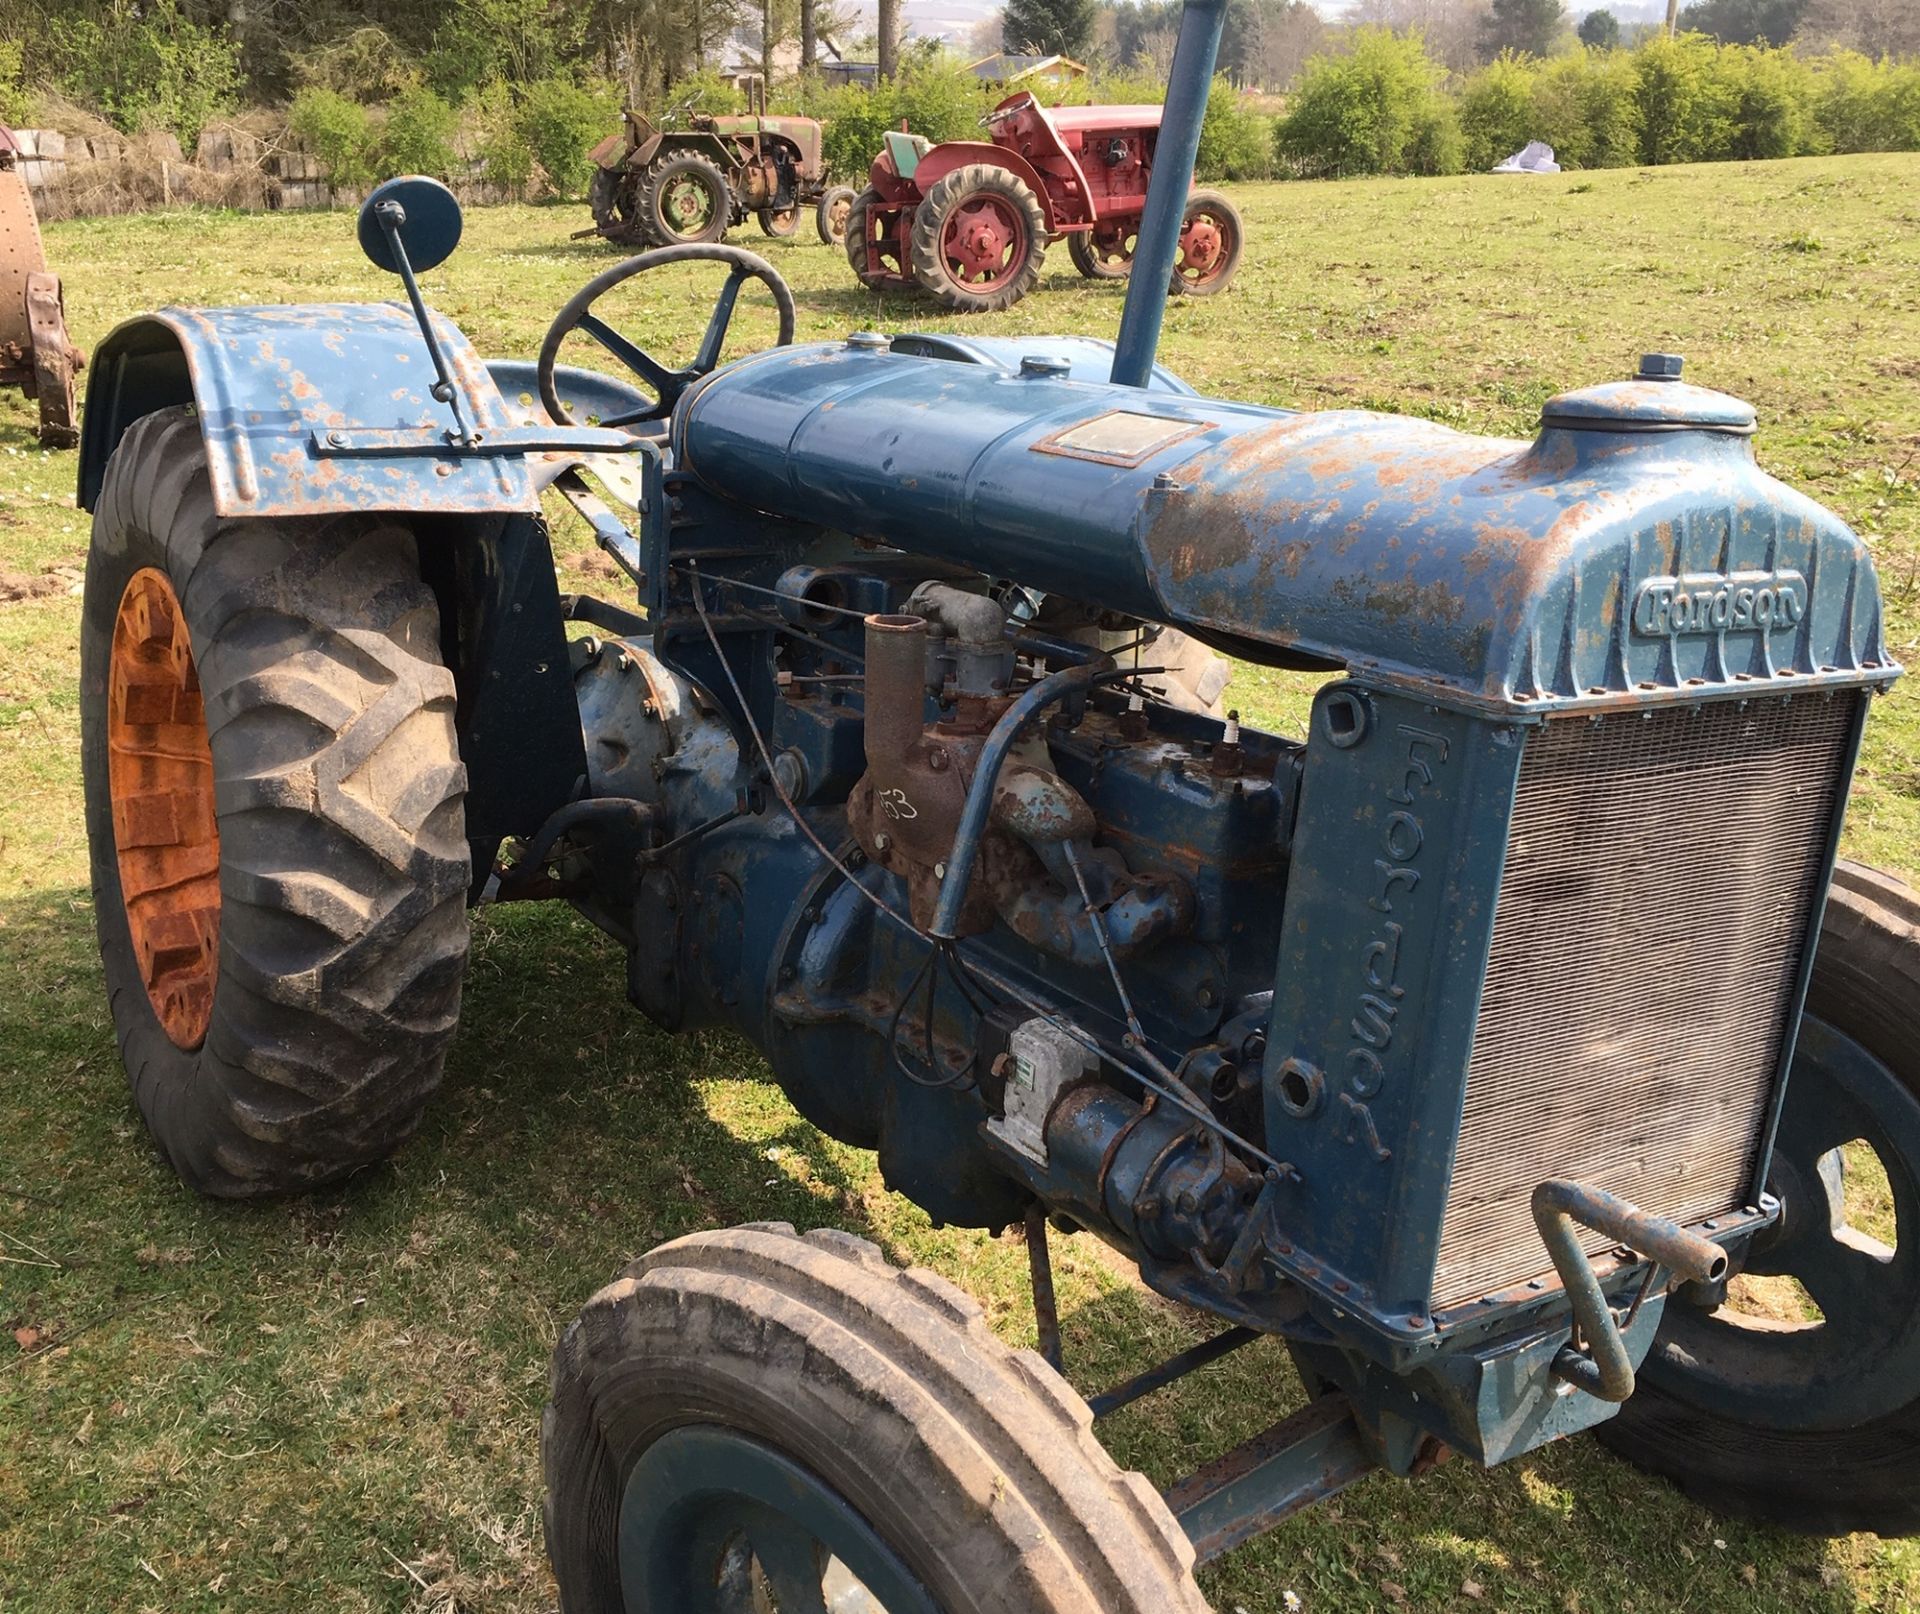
point(1631, 552)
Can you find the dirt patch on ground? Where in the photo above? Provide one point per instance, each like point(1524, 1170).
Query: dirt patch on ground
point(62, 577)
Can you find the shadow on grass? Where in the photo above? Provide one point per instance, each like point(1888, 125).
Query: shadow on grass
point(378, 1349)
point(1569, 1527)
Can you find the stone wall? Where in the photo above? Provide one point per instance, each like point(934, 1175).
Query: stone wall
point(82, 176)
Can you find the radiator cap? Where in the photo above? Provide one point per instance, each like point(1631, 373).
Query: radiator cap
point(1656, 400)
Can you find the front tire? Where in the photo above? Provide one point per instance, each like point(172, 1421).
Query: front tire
point(830, 217)
point(1814, 1425)
point(1106, 251)
point(748, 1411)
point(1212, 238)
point(873, 244)
point(274, 803)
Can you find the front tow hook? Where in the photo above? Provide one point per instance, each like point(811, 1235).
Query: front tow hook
point(1604, 1369)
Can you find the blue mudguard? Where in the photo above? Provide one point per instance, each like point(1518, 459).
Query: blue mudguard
point(321, 409)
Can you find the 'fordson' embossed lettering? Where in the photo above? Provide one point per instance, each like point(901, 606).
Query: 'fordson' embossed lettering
point(1395, 874)
point(1719, 602)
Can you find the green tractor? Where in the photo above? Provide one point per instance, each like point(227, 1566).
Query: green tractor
point(692, 176)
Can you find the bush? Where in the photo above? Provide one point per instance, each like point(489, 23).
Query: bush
point(1437, 146)
point(558, 122)
point(1236, 142)
point(704, 91)
point(1687, 103)
point(366, 64)
point(498, 139)
point(16, 100)
point(417, 137)
point(1772, 102)
point(1584, 107)
point(144, 67)
point(939, 101)
point(1497, 114)
point(1358, 113)
point(336, 131)
point(1863, 105)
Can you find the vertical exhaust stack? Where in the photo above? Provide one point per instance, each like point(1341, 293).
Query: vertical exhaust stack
point(1194, 53)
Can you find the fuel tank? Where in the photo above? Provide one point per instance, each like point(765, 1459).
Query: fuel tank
point(1631, 552)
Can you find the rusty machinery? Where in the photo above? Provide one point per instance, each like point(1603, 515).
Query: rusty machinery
point(1470, 1043)
point(35, 355)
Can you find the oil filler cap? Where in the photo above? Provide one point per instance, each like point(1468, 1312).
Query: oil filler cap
point(1655, 400)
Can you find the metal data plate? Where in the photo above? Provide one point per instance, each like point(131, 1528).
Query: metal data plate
point(1120, 437)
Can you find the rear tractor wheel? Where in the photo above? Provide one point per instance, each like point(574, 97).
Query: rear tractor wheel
point(684, 200)
point(979, 239)
point(1797, 1401)
point(274, 811)
point(749, 1420)
point(615, 200)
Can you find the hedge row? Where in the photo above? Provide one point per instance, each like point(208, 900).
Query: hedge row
point(1383, 106)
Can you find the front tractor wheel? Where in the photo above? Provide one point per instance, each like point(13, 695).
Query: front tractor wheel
point(1105, 252)
point(1797, 1401)
point(274, 812)
point(874, 246)
point(749, 1420)
point(1212, 238)
point(830, 217)
point(979, 239)
point(781, 223)
point(684, 201)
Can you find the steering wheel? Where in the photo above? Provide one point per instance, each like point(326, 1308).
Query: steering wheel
point(666, 385)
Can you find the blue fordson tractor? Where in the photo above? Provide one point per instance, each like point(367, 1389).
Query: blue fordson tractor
point(1473, 1045)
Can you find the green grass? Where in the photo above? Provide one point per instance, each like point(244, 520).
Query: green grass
point(331, 1403)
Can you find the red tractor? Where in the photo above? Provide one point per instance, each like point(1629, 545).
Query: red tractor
point(969, 220)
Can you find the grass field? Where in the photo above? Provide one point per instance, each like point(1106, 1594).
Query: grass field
point(331, 1403)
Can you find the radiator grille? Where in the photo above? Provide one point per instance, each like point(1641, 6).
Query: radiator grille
point(1646, 940)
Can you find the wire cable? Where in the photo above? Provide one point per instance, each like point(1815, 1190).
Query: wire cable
point(1167, 1090)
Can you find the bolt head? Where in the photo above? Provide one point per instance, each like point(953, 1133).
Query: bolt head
point(1661, 366)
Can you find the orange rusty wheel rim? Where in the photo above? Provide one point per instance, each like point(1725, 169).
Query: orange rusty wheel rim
point(160, 775)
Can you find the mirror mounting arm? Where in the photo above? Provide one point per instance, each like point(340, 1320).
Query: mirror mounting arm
point(391, 216)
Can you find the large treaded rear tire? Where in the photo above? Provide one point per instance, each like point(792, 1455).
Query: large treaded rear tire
point(615, 215)
point(976, 1463)
point(658, 180)
point(338, 788)
point(977, 182)
point(1828, 1480)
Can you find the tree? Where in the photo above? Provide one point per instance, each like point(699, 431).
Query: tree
point(889, 52)
point(1884, 29)
point(1047, 27)
point(1450, 29)
point(1361, 112)
point(1744, 22)
point(1292, 32)
point(1525, 27)
point(1600, 30)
